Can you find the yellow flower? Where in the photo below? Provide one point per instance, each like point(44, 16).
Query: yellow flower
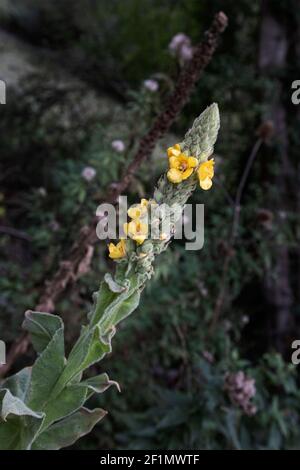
point(117, 251)
point(206, 173)
point(139, 210)
point(136, 230)
point(181, 167)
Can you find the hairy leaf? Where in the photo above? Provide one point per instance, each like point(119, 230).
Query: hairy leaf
point(66, 432)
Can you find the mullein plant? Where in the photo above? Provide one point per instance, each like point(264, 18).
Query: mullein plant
point(42, 407)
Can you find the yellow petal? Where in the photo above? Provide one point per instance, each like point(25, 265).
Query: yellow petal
point(183, 158)
point(111, 247)
point(138, 231)
point(117, 251)
point(174, 162)
point(134, 212)
point(206, 183)
point(139, 239)
point(138, 210)
point(136, 227)
point(144, 203)
point(142, 228)
point(174, 176)
point(170, 152)
point(122, 246)
point(131, 228)
point(187, 173)
point(173, 151)
point(192, 162)
point(125, 228)
point(206, 169)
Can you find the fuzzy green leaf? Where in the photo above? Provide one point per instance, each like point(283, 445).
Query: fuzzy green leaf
point(67, 402)
point(15, 406)
point(66, 432)
point(19, 424)
point(41, 327)
point(46, 371)
point(100, 383)
point(18, 432)
point(19, 383)
point(120, 308)
point(113, 285)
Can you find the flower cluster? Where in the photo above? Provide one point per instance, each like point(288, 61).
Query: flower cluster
point(241, 389)
point(187, 162)
point(182, 166)
point(136, 229)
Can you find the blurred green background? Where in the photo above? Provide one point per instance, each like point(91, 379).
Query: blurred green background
point(77, 76)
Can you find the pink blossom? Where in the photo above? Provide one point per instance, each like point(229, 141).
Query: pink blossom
point(186, 53)
point(151, 85)
point(88, 173)
point(181, 47)
point(241, 389)
point(118, 145)
point(177, 41)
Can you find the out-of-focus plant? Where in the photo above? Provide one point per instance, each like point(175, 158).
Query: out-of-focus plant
point(206, 417)
point(43, 407)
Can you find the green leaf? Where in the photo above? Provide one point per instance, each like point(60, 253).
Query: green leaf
point(95, 342)
point(18, 432)
point(100, 383)
point(119, 310)
point(19, 383)
point(109, 300)
point(15, 406)
point(113, 285)
point(103, 298)
point(19, 424)
point(89, 348)
point(99, 346)
point(41, 327)
point(46, 372)
point(67, 402)
point(66, 432)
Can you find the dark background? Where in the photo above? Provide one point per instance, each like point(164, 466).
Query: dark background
point(75, 75)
